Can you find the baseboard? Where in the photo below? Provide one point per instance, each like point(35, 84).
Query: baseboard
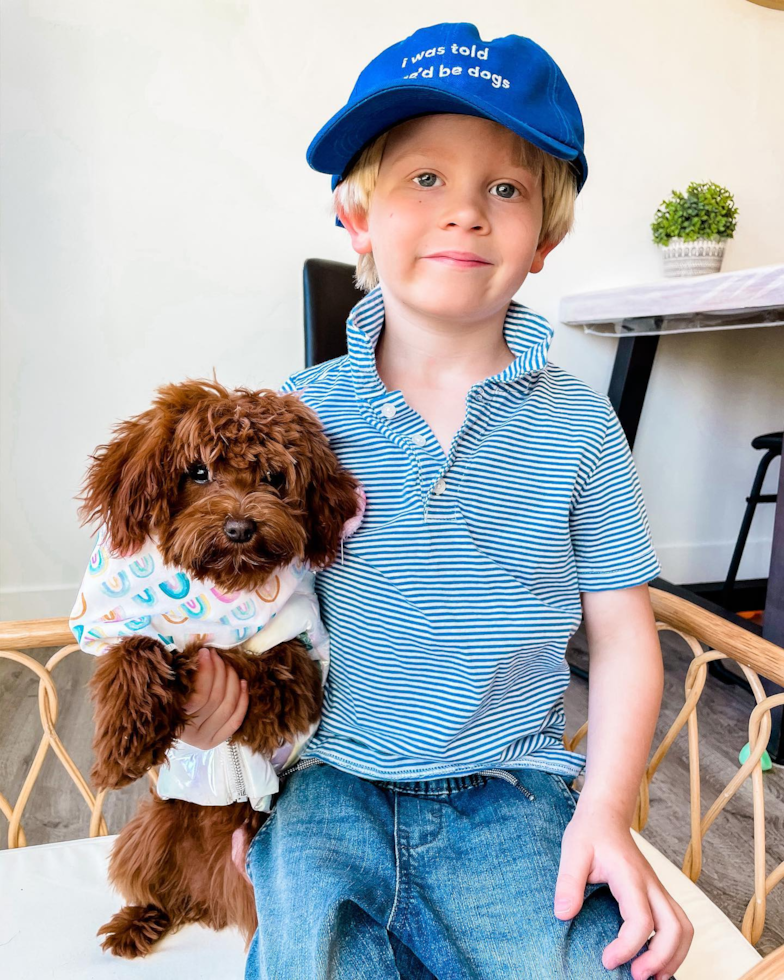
point(43, 602)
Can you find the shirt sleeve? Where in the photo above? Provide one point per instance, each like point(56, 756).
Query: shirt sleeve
point(103, 613)
point(287, 386)
point(611, 538)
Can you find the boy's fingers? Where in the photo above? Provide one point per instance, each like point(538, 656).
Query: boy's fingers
point(239, 850)
point(637, 925)
point(203, 683)
point(570, 885)
point(237, 718)
point(226, 706)
point(218, 689)
point(670, 943)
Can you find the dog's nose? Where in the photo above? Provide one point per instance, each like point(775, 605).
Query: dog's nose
point(239, 529)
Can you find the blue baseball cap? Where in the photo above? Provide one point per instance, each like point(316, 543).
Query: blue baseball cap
point(449, 68)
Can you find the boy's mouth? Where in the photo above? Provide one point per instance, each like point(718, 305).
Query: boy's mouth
point(459, 259)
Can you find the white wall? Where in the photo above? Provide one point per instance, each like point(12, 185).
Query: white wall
point(157, 209)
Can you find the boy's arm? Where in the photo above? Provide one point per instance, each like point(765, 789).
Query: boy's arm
point(625, 691)
point(624, 697)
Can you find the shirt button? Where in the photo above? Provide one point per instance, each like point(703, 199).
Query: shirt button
point(388, 410)
point(418, 439)
point(439, 487)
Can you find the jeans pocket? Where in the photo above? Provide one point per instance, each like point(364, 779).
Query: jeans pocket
point(563, 789)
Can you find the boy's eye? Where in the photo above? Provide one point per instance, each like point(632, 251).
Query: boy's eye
point(419, 176)
point(508, 189)
point(199, 473)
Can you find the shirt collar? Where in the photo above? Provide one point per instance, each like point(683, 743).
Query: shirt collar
point(527, 334)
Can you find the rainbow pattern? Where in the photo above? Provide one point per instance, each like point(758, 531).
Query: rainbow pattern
point(116, 586)
point(138, 624)
point(171, 617)
point(97, 561)
point(244, 633)
point(245, 610)
point(224, 596)
point(196, 608)
point(138, 594)
point(177, 587)
point(142, 567)
point(264, 596)
point(113, 616)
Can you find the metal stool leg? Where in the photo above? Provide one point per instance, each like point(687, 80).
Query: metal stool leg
point(755, 498)
point(715, 667)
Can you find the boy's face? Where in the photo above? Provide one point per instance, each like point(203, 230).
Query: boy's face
point(448, 182)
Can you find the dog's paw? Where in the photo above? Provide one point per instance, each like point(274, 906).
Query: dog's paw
point(284, 696)
point(134, 930)
point(139, 690)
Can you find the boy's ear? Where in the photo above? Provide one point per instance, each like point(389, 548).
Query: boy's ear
point(541, 254)
point(357, 227)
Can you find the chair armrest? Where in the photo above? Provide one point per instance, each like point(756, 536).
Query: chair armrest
point(25, 634)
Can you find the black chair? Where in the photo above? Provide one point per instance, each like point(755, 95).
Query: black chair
point(330, 294)
point(771, 443)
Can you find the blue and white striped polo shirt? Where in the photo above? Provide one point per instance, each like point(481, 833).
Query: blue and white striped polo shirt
point(450, 613)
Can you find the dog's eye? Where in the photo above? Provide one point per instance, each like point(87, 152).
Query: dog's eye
point(276, 480)
point(199, 473)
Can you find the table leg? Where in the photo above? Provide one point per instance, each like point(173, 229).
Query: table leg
point(629, 380)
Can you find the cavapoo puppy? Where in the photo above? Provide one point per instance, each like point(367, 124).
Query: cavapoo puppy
point(215, 506)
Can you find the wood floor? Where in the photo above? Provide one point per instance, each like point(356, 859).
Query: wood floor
point(56, 811)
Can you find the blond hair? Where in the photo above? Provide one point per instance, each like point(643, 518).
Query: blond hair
point(556, 178)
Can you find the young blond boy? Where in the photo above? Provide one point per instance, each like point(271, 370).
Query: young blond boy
point(430, 828)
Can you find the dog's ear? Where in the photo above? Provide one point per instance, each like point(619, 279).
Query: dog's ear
point(131, 479)
point(329, 495)
point(332, 499)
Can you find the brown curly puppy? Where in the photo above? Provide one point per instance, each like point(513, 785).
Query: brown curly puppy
point(234, 484)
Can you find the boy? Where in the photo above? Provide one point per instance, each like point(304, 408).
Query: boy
point(430, 828)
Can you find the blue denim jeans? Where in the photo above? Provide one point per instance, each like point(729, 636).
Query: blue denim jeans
point(451, 878)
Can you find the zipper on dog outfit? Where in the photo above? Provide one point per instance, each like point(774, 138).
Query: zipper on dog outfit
point(509, 778)
point(239, 782)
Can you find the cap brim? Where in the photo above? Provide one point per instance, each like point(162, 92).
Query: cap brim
point(343, 137)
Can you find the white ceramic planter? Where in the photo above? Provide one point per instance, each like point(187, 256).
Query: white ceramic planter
point(696, 258)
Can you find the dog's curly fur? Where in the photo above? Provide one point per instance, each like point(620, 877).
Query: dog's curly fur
point(267, 460)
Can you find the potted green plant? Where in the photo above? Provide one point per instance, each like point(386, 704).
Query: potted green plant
point(692, 229)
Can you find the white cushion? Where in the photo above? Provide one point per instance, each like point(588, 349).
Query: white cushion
point(53, 900)
point(54, 897)
point(718, 950)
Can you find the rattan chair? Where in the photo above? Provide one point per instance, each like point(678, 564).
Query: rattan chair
point(54, 896)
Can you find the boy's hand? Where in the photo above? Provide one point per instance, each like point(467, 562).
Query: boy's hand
point(239, 851)
point(599, 848)
point(218, 704)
